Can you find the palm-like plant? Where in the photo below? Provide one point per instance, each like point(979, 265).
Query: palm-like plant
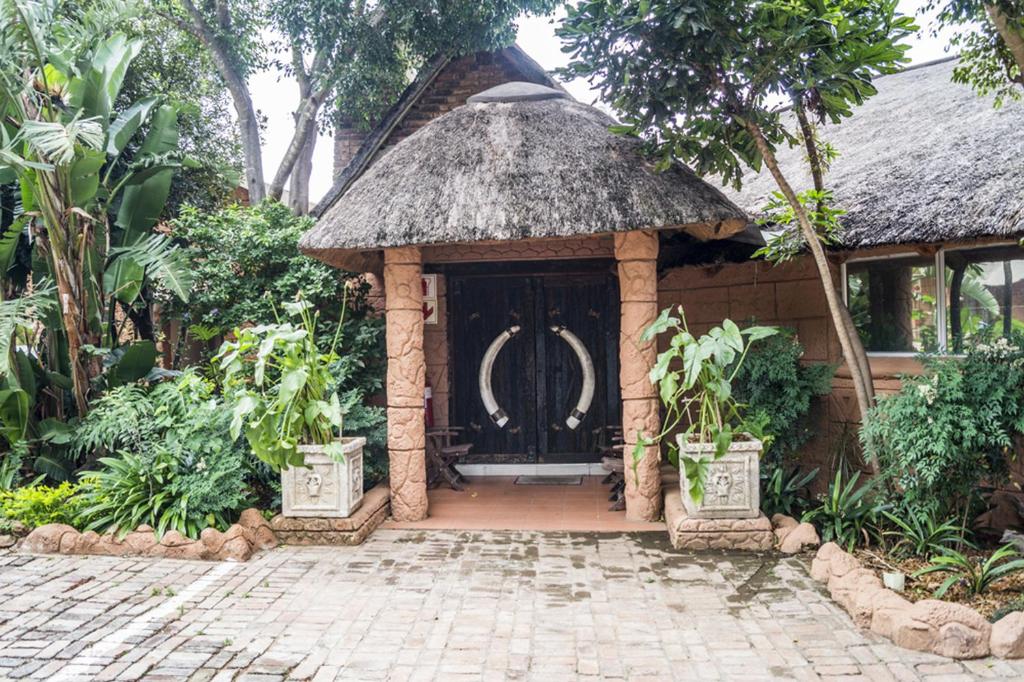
point(93, 181)
point(977, 576)
point(848, 514)
point(921, 534)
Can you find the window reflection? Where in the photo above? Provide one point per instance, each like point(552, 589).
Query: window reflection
point(986, 293)
point(893, 304)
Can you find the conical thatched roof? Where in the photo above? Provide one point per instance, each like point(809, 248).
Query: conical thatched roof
point(924, 160)
point(518, 161)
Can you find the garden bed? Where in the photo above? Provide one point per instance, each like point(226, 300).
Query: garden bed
point(1001, 596)
point(940, 627)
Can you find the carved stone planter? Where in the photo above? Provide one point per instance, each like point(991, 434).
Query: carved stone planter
point(324, 487)
point(732, 490)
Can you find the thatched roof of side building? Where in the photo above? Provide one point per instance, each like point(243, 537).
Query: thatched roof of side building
point(519, 161)
point(925, 160)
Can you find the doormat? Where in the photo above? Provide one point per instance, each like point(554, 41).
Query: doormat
point(548, 480)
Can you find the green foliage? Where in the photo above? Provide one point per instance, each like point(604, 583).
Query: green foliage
point(951, 428)
point(773, 382)
point(278, 381)
point(38, 505)
point(1006, 609)
point(246, 258)
point(694, 380)
point(785, 492)
point(170, 462)
point(692, 76)
point(785, 240)
point(975, 575)
point(93, 177)
point(920, 534)
point(986, 62)
point(371, 423)
point(849, 513)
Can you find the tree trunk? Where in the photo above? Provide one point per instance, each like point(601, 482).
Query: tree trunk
point(1011, 35)
point(248, 122)
point(305, 126)
point(818, 175)
point(824, 272)
point(299, 189)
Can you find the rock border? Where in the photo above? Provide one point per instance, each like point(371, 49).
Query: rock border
point(237, 543)
point(930, 625)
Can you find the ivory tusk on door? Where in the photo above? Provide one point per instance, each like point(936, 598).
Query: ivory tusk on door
point(496, 413)
point(587, 392)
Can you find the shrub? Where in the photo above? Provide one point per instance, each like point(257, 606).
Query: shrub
point(246, 258)
point(38, 505)
point(179, 470)
point(773, 383)
point(951, 428)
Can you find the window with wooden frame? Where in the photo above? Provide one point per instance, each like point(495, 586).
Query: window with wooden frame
point(902, 305)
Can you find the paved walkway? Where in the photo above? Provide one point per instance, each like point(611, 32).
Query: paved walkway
point(444, 605)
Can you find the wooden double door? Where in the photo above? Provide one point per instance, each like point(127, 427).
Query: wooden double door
point(547, 329)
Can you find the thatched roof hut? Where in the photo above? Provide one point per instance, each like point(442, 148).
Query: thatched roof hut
point(925, 160)
point(519, 161)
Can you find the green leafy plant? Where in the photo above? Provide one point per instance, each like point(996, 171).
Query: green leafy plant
point(951, 428)
point(975, 575)
point(920, 534)
point(38, 505)
point(93, 177)
point(786, 492)
point(774, 382)
point(164, 457)
point(848, 513)
point(694, 379)
point(279, 382)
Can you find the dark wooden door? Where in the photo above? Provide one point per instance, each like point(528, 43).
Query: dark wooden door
point(537, 377)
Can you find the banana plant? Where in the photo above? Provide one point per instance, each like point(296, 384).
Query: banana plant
point(93, 179)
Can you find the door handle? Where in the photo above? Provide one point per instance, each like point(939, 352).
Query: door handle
point(494, 411)
point(587, 391)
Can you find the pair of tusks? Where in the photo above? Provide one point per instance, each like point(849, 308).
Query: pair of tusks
point(498, 415)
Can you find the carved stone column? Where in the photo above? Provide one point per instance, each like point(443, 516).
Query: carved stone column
point(403, 304)
point(637, 256)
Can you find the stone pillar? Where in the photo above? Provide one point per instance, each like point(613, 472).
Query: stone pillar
point(403, 304)
point(637, 256)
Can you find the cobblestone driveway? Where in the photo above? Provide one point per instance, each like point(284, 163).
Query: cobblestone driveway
point(417, 605)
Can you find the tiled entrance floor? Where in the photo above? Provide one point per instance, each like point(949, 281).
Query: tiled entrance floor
point(495, 503)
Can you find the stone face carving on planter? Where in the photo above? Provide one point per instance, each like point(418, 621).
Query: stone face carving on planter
point(732, 488)
point(324, 487)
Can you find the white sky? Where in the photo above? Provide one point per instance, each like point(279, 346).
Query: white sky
point(275, 95)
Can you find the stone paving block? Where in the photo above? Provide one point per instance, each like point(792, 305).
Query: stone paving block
point(447, 605)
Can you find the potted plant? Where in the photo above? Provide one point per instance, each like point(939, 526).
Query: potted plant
point(716, 448)
point(279, 382)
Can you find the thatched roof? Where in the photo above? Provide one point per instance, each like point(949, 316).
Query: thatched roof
point(544, 166)
point(925, 160)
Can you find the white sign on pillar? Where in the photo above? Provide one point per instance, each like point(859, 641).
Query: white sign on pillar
point(429, 284)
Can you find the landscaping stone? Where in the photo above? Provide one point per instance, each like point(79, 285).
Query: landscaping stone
point(943, 628)
point(1007, 639)
point(930, 625)
point(7, 541)
point(803, 536)
point(46, 539)
point(237, 544)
